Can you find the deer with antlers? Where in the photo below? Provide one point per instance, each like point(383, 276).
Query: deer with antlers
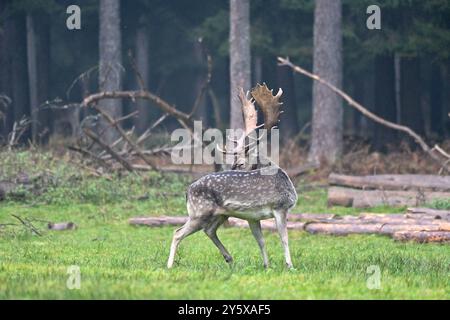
point(252, 195)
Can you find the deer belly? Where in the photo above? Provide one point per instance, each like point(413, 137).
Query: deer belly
point(251, 214)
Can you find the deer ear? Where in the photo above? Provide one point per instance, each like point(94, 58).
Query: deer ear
point(269, 104)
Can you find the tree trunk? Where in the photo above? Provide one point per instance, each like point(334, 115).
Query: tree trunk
point(447, 99)
point(32, 76)
point(43, 54)
point(5, 87)
point(398, 89)
point(289, 118)
point(327, 123)
point(142, 64)
point(384, 99)
point(110, 64)
point(240, 59)
point(258, 70)
point(17, 57)
point(38, 54)
point(436, 89)
point(364, 93)
point(412, 115)
point(202, 112)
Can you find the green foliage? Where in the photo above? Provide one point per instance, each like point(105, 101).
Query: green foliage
point(307, 5)
point(441, 204)
point(33, 6)
point(54, 181)
point(214, 30)
point(408, 27)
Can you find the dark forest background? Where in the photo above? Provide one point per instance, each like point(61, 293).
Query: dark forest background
point(401, 72)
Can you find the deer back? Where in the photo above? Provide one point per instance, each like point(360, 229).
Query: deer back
point(242, 190)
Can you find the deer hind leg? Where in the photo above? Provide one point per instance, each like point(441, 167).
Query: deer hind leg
point(211, 232)
point(281, 222)
point(255, 227)
point(190, 227)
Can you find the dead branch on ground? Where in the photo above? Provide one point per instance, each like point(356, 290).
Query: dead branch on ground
point(133, 95)
point(19, 128)
point(27, 224)
point(106, 147)
point(125, 136)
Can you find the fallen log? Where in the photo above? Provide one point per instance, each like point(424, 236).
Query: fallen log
point(265, 224)
point(310, 216)
point(437, 214)
point(356, 198)
point(295, 172)
point(369, 228)
point(61, 226)
point(159, 221)
point(392, 182)
point(398, 218)
point(340, 199)
point(232, 222)
point(400, 226)
point(391, 229)
point(342, 229)
point(423, 236)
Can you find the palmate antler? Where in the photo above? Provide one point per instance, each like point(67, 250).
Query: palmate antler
point(270, 106)
point(249, 111)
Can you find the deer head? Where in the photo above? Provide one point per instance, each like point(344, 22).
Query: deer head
point(270, 106)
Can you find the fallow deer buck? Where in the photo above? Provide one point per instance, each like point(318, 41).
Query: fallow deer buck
point(252, 195)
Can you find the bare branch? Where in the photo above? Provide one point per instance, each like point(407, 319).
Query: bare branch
point(133, 95)
point(431, 152)
point(105, 146)
point(128, 116)
point(115, 124)
point(148, 132)
point(27, 224)
point(18, 130)
point(441, 151)
point(84, 75)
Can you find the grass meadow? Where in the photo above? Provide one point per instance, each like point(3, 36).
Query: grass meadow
point(119, 261)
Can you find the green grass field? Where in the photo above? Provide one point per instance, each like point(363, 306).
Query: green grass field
point(119, 261)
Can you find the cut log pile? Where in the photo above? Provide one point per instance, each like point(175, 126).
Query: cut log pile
point(417, 224)
point(389, 190)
